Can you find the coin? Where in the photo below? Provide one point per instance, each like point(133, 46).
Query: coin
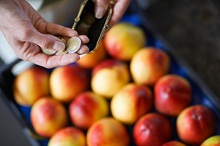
point(48, 51)
point(73, 45)
point(62, 52)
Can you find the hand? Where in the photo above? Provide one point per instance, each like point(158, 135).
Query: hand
point(119, 9)
point(27, 32)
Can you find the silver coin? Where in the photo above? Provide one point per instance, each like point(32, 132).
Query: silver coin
point(48, 51)
point(73, 45)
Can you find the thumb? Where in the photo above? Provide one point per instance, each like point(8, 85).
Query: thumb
point(100, 8)
point(45, 40)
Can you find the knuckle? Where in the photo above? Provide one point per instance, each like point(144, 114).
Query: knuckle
point(25, 34)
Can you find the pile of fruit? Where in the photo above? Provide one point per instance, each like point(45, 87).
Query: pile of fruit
point(122, 94)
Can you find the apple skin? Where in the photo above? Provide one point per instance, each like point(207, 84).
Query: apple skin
point(87, 108)
point(131, 102)
point(109, 76)
point(174, 143)
point(26, 83)
point(172, 94)
point(123, 40)
point(90, 60)
point(152, 129)
point(108, 132)
point(212, 141)
point(68, 136)
point(68, 81)
point(48, 116)
point(195, 124)
point(148, 65)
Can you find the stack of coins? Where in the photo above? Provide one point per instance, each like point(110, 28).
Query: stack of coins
point(72, 46)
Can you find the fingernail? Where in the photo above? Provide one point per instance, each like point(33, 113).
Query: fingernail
point(100, 11)
point(58, 45)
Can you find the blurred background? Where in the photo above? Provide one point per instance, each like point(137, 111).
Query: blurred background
point(192, 28)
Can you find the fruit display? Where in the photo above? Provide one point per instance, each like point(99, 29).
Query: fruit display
point(115, 97)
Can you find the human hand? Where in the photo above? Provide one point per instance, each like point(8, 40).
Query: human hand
point(27, 32)
point(119, 9)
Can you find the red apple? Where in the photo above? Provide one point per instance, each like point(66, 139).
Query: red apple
point(68, 136)
point(123, 40)
point(212, 141)
point(48, 116)
point(30, 85)
point(107, 132)
point(172, 94)
point(109, 76)
point(195, 124)
point(131, 102)
point(87, 108)
point(174, 143)
point(152, 129)
point(68, 81)
point(148, 65)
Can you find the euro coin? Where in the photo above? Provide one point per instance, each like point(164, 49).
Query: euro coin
point(48, 51)
point(61, 52)
point(73, 45)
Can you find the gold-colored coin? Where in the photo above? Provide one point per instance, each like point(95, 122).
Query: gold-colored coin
point(61, 52)
point(48, 51)
point(73, 45)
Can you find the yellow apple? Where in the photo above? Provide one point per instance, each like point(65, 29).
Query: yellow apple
point(109, 76)
point(30, 85)
point(68, 136)
point(107, 132)
point(68, 81)
point(148, 65)
point(212, 141)
point(123, 40)
point(131, 102)
point(48, 116)
point(92, 59)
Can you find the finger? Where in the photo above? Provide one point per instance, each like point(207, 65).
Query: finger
point(44, 40)
point(100, 8)
point(118, 11)
point(83, 50)
point(84, 39)
point(54, 61)
point(56, 29)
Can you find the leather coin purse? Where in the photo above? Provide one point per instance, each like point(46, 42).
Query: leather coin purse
point(87, 24)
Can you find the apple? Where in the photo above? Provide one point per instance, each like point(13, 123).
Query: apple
point(48, 116)
point(107, 132)
point(174, 143)
point(131, 102)
point(195, 124)
point(212, 141)
point(123, 40)
point(68, 81)
point(109, 76)
point(148, 65)
point(87, 108)
point(30, 85)
point(173, 93)
point(152, 129)
point(68, 136)
point(90, 60)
